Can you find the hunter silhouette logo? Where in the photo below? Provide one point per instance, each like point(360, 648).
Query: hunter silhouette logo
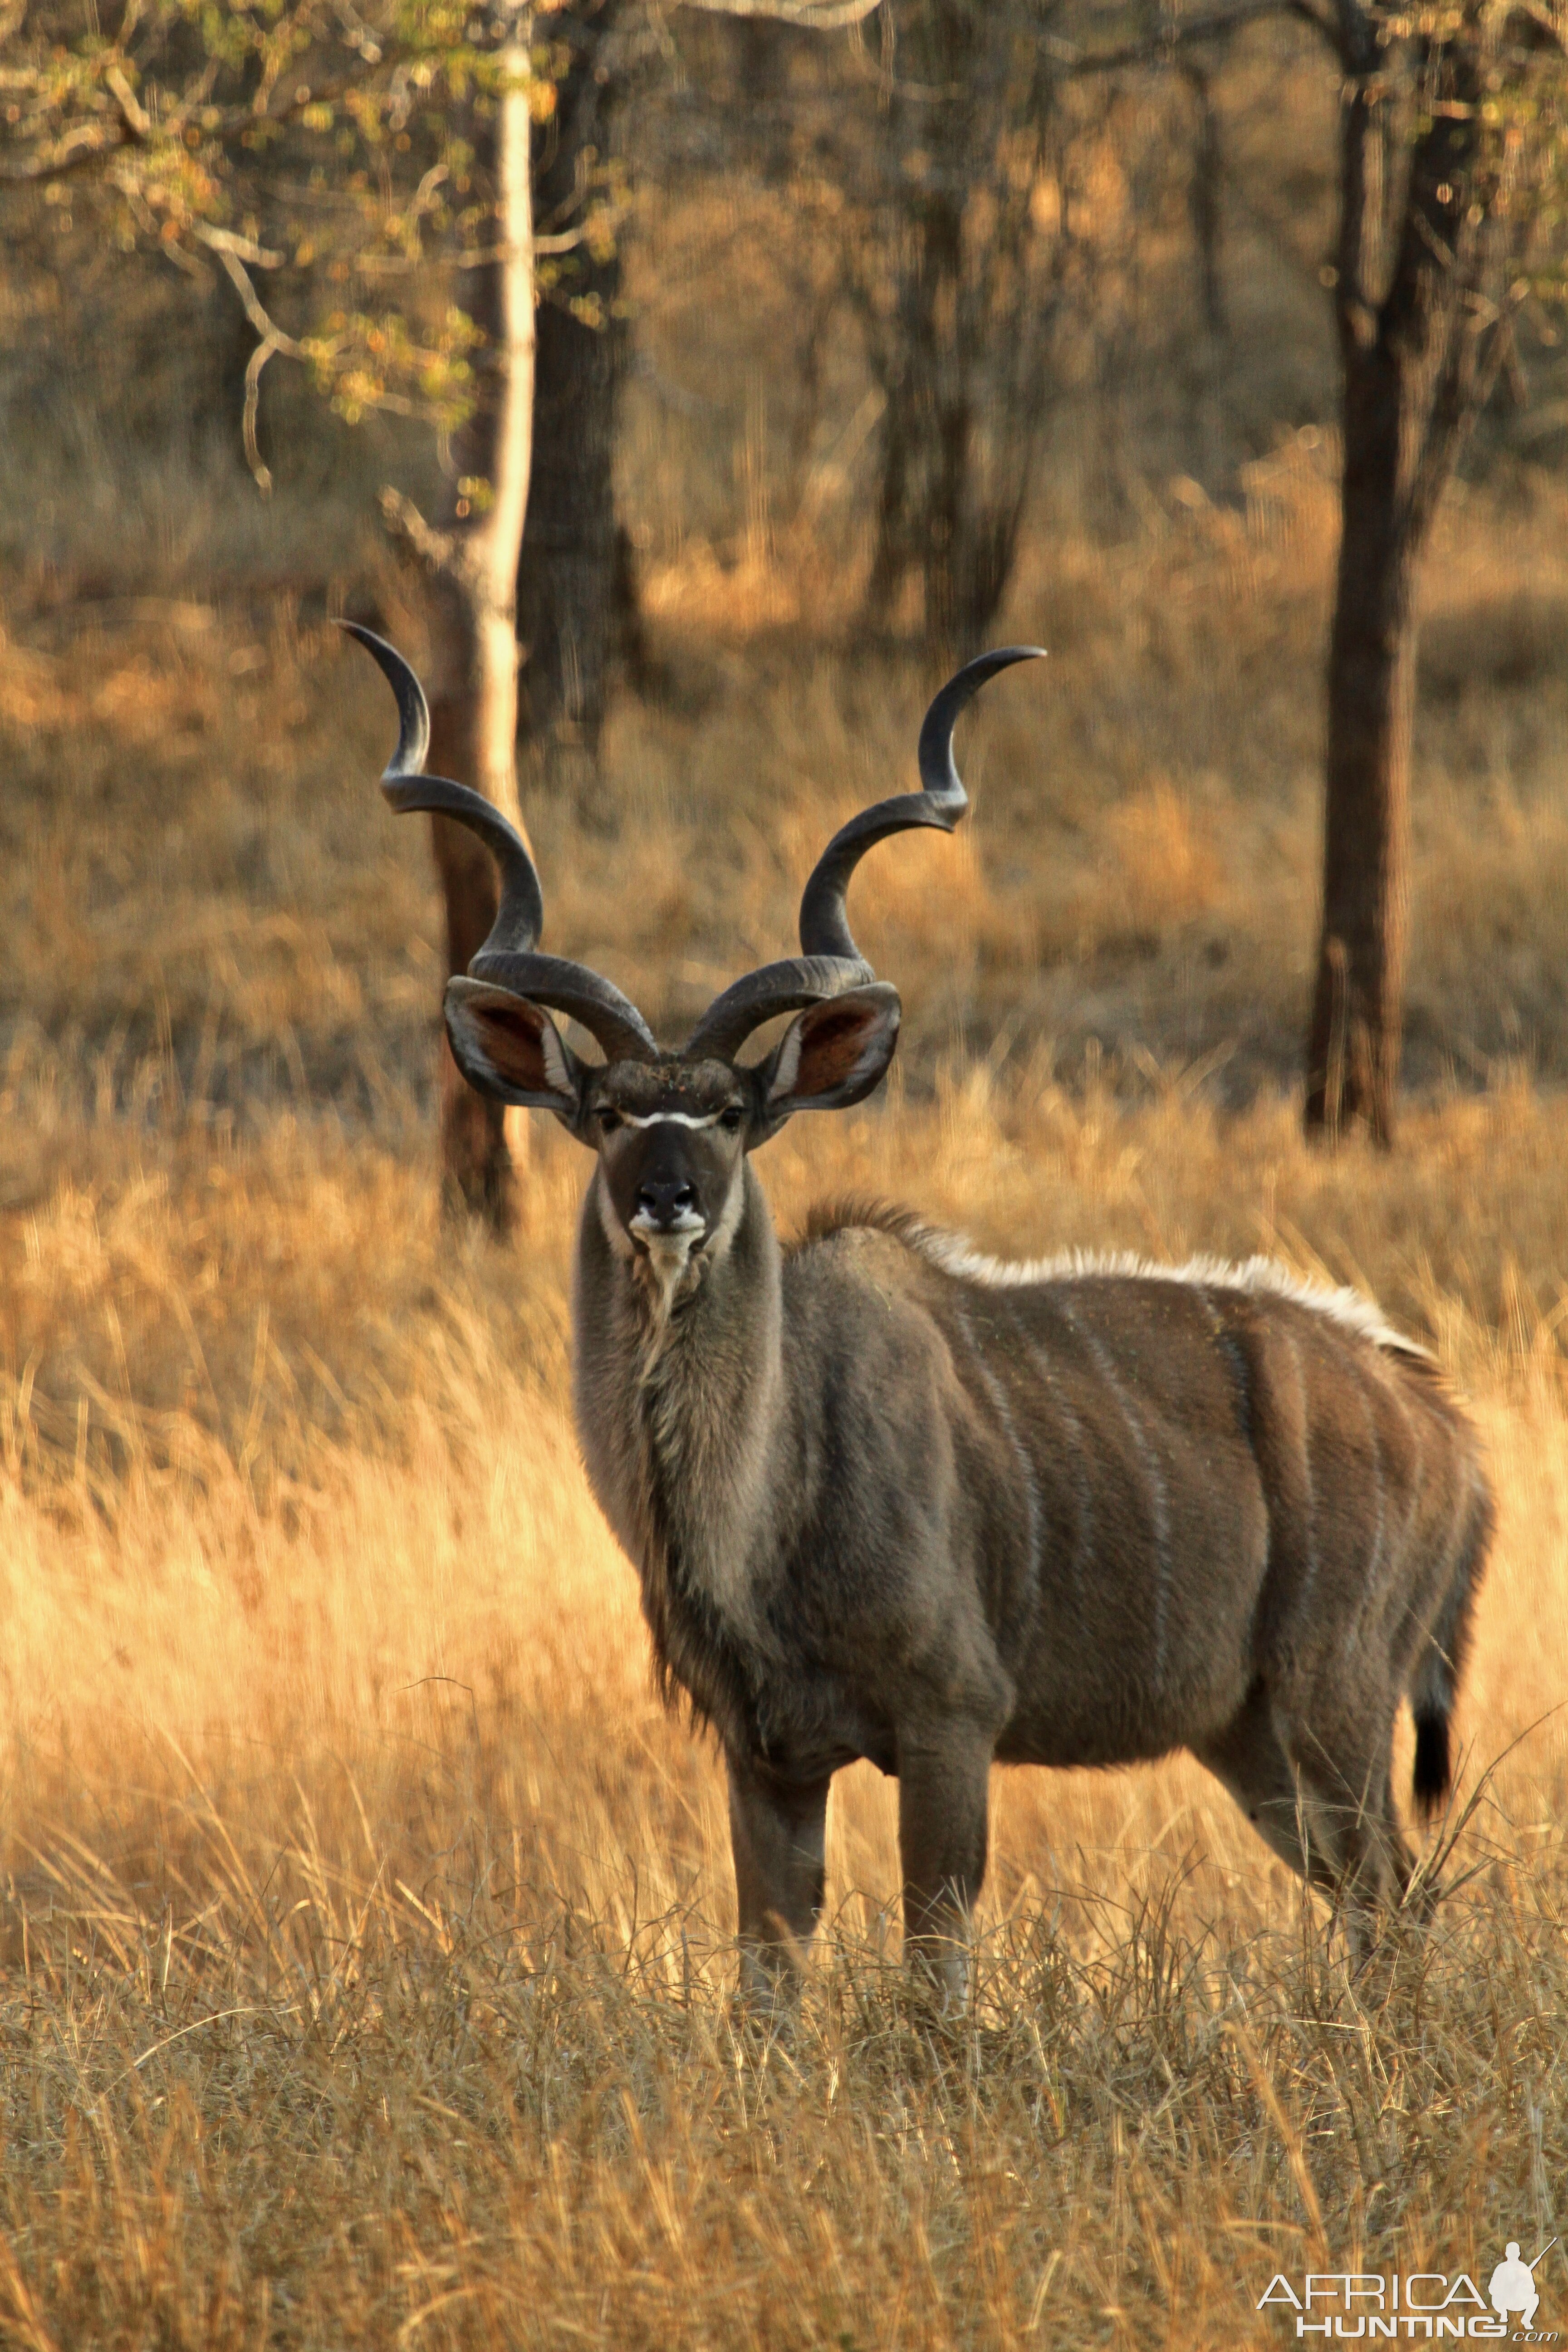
point(1512, 2287)
point(1420, 2305)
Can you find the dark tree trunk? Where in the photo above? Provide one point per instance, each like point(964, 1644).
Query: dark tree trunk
point(1424, 266)
point(477, 1176)
point(1352, 1053)
point(957, 350)
point(1205, 353)
point(1206, 196)
point(956, 596)
point(574, 575)
point(567, 609)
point(928, 494)
point(892, 554)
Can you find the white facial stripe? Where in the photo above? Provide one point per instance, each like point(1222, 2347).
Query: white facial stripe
point(788, 1066)
point(671, 1118)
point(555, 1068)
point(724, 1231)
point(609, 1222)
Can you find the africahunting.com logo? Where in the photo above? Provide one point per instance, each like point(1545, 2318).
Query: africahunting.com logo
point(1420, 2305)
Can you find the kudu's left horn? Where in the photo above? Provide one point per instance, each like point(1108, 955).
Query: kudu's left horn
point(831, 962)
point(507, 959)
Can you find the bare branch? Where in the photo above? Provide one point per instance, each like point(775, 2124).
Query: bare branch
point(261, 471)
point(476, 256)
point(820, 16)
point(137, 120)
point(74, 150)
point(273, 339)
point(255, 311)
point(438, 550)
point(237, 250)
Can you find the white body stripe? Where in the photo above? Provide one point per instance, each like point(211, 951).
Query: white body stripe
point(1159, 1501)
point(1356, 1618)
point(1004, 1411)
point(1083, 1485)
point(1310, 1574)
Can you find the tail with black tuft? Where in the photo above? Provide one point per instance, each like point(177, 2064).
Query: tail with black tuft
point(1437, 1674)
point(1433, 1775)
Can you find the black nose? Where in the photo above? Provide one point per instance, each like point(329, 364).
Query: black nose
point(663, 1204)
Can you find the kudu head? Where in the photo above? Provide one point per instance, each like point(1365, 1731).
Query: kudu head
point(672, 1130)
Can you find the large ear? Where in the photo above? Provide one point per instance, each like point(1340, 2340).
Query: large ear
point(833, 1054)
point(512, 1049)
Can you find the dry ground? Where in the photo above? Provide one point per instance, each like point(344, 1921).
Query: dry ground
point(364, 1974)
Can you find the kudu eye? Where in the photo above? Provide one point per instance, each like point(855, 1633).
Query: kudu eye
point(730, 1121)
point(608, 1121)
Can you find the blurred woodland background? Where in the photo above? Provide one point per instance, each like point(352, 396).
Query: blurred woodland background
point(855, 349)
point(364, 1961)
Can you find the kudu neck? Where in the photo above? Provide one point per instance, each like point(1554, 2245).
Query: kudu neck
point(681, 1412)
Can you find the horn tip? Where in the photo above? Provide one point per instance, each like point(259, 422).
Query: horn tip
point(1004, 655)
point(357, 629)
point(382, 652)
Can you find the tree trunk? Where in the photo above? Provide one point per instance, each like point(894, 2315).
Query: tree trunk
point(1205, 192)
point(566, 602)
point(1352, 1053)
point(947, 543)
point(892, 554)
point(1421, 284)
point(573, 576)
point(957, 350)
point(1206, 353)
point(473, 563)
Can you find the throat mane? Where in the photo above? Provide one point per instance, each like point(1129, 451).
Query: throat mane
point(679, 1382)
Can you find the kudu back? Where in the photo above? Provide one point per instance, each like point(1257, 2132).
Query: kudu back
point(890, 1499)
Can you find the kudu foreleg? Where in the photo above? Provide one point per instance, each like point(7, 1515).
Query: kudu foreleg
point(944, 1790)
point(778, 1833)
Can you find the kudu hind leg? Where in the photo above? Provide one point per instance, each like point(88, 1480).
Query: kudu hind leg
point(778, 1833)
point(944, 1792)
point(1341, 1741)
point(1324, 1802)
point(1375, 1864)
point(1250, 1758)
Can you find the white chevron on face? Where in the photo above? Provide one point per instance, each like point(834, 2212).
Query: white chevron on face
point(671, 1118)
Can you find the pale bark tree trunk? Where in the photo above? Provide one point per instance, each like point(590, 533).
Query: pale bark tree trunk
point(471, 557)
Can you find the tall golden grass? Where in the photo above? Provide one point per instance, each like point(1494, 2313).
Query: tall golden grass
point(366, 1962)
point(366, 1967)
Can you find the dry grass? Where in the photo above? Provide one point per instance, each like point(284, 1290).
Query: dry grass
point(365, 1976)
point(365, 1961)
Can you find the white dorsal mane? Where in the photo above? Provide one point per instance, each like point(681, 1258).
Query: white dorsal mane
point(1256, 1276)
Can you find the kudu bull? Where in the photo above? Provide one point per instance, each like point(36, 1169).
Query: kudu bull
point(890, 1499)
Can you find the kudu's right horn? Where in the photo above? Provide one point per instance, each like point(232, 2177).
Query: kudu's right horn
point(507, 959)
point(830, 962)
